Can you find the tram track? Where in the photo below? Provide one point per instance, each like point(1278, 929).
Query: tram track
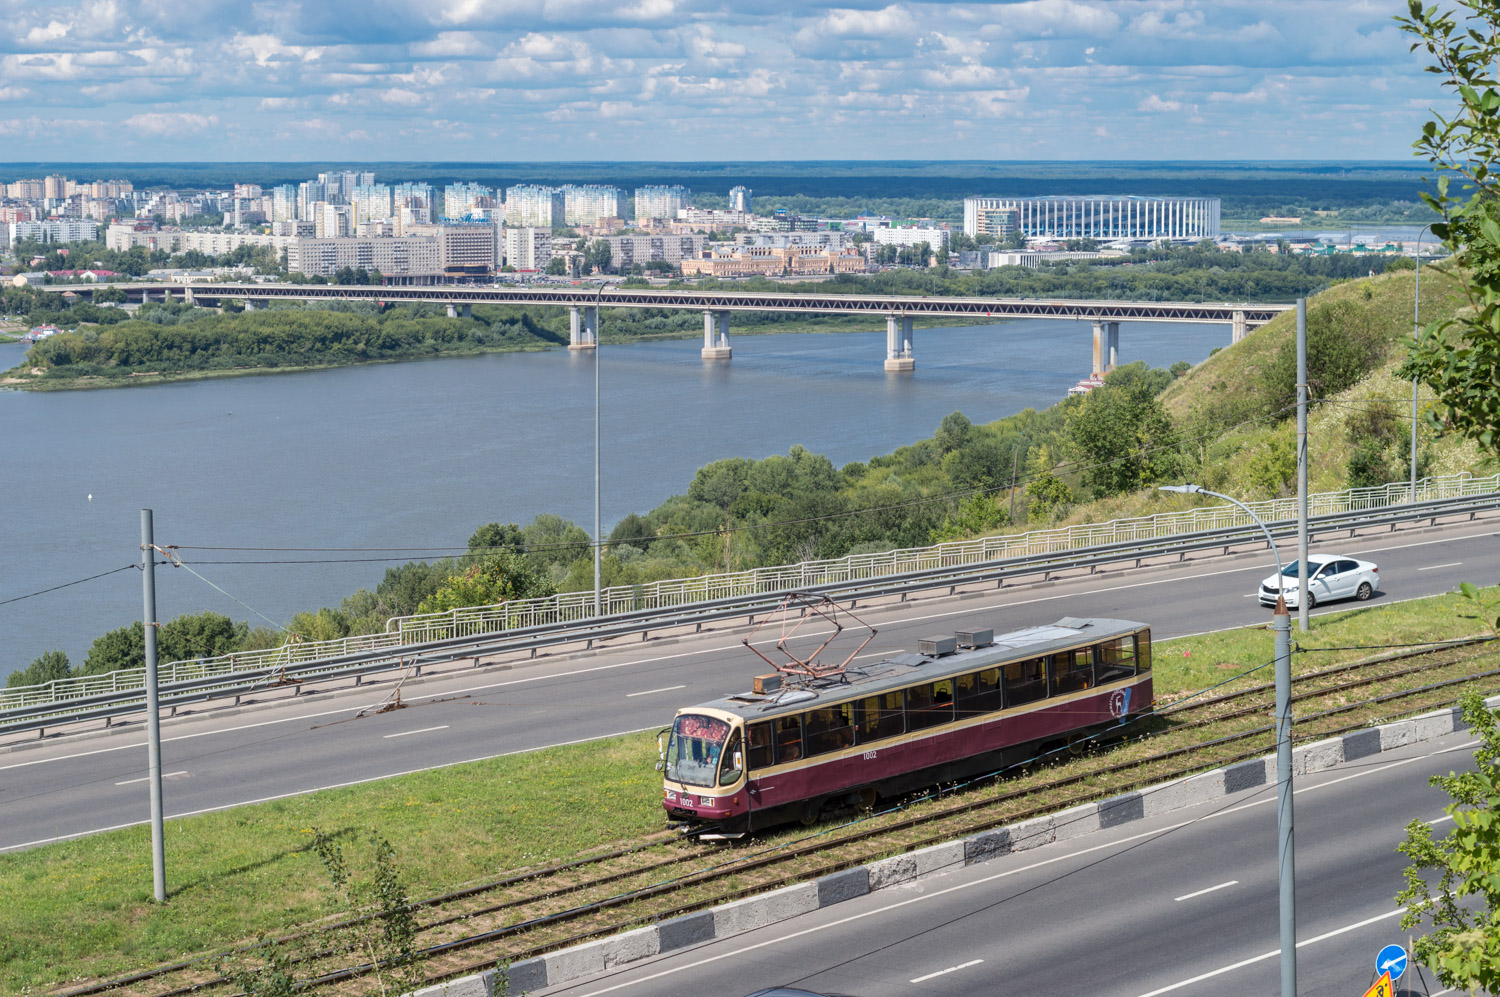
point(536, 911)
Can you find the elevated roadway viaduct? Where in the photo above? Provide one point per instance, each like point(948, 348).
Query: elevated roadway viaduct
point(583, 305)
point(85, 779)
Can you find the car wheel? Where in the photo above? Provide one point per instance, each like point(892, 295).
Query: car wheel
point(1364, 592)
point(1312, 601)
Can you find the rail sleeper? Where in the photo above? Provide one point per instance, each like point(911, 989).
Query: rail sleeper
point(740, 916)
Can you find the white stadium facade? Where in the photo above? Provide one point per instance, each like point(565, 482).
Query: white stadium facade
point(1105, 216)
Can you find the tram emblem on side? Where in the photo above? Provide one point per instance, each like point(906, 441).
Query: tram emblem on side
point(1119, 703)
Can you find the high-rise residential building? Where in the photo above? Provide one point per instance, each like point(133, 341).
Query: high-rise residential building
point(1105, 216)
point(284, 203)
point(27, 190)
point(55, 187)
point(333, 221)
point(465, 200)
point(535, 206)
point(589, 204)
point(412, 195)
point(338, 187)
point(739, 199)
point(371, 203)
point(661, 202)
point(309, 193)
point(528, 248)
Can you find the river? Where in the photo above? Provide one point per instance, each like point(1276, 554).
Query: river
point(418, 454)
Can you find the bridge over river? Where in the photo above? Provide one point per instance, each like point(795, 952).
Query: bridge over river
point(717, 305)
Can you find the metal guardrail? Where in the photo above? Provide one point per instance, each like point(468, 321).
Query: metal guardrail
point(206, 684)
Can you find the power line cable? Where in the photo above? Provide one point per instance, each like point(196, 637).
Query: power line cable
point(80, 581)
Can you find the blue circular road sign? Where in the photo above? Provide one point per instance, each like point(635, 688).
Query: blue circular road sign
point(1391, 959)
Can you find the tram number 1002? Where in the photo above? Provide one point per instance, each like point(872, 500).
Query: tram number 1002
point(869, 756)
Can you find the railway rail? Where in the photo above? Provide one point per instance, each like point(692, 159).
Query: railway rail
point(542, 910)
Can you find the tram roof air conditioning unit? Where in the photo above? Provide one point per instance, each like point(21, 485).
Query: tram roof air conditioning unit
point(975, 638)
point(936, 647)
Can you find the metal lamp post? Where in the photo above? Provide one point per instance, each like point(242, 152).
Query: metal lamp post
point(598, 537)
point(1286, 866)
point(1416, 333)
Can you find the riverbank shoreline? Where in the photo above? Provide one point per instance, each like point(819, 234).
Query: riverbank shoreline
point(22, 378)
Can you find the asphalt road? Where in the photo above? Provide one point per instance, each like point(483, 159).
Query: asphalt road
point(1183, 904)
point(69, 785)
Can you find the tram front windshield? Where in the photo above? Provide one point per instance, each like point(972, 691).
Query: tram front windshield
point(693, 754)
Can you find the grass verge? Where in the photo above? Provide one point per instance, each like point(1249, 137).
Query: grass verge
point(81, 909)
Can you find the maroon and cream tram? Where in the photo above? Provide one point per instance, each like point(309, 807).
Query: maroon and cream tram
point(972, 704)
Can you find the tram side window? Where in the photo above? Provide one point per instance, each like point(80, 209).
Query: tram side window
point(1072, 671)
point(881, 716)
point(1116, 659)
point(788, 739)
point(1025, 681)
point(1143, 652)
point(830, 728)
point(978, 694)
point(929, 704)
point(758, 740)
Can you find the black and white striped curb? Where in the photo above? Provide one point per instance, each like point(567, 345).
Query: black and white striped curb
point(726, 920)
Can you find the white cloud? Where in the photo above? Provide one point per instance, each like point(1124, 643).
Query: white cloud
point(169, 122)
point(1152, 104)
point(402, 98)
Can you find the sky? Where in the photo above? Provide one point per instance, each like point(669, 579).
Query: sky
point(696, 80)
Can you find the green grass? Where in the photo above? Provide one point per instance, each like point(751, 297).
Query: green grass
point(82, 908)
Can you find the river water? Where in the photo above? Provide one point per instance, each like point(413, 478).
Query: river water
point(418, 454)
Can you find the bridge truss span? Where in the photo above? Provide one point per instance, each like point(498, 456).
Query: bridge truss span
point(716, 305)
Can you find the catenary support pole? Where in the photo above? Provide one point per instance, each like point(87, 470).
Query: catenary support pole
point(598, 537)
point(1302, 465)
point(1285, 861)
point(153, 710)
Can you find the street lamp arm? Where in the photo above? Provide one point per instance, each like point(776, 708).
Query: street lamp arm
point(1200, 490)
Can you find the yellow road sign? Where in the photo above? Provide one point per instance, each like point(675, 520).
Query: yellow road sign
point(1383, 987)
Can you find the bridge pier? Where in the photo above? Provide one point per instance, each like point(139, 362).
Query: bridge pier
point(1237, 328)
point(716, 335)
point(898, 343)
point(1106, 346)
point(250, 305)
point(583, 327)
point(454, 310)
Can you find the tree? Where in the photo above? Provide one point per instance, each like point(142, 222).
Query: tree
point(1463, 905)
point(1459, 357)
point(1122, 434)
point(495, 579)
point(51, 666)
point(557, 266)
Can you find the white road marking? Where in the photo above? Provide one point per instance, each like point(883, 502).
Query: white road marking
point(1435, 823)
point(1434, 567)
point(424, 730)
point(167, 775)
point(1189, 896)
point(730, 647)
point(923, 898)
point(652, 692)
point(950, 969)
point(1274, 953)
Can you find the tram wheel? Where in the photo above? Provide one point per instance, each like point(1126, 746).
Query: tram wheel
point(811, 811)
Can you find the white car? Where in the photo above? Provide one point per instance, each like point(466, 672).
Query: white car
point(1329, 577)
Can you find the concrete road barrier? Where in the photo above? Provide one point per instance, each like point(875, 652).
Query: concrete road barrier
point(740, 916)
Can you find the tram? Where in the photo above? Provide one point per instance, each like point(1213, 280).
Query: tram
point(966, 705)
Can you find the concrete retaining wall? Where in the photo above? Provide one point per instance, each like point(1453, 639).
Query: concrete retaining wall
point(740, 916)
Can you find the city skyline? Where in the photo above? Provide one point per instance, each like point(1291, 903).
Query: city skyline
point(656, 80)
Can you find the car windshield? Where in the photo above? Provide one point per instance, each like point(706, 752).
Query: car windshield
point(1312, 567)
point(693, 753)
